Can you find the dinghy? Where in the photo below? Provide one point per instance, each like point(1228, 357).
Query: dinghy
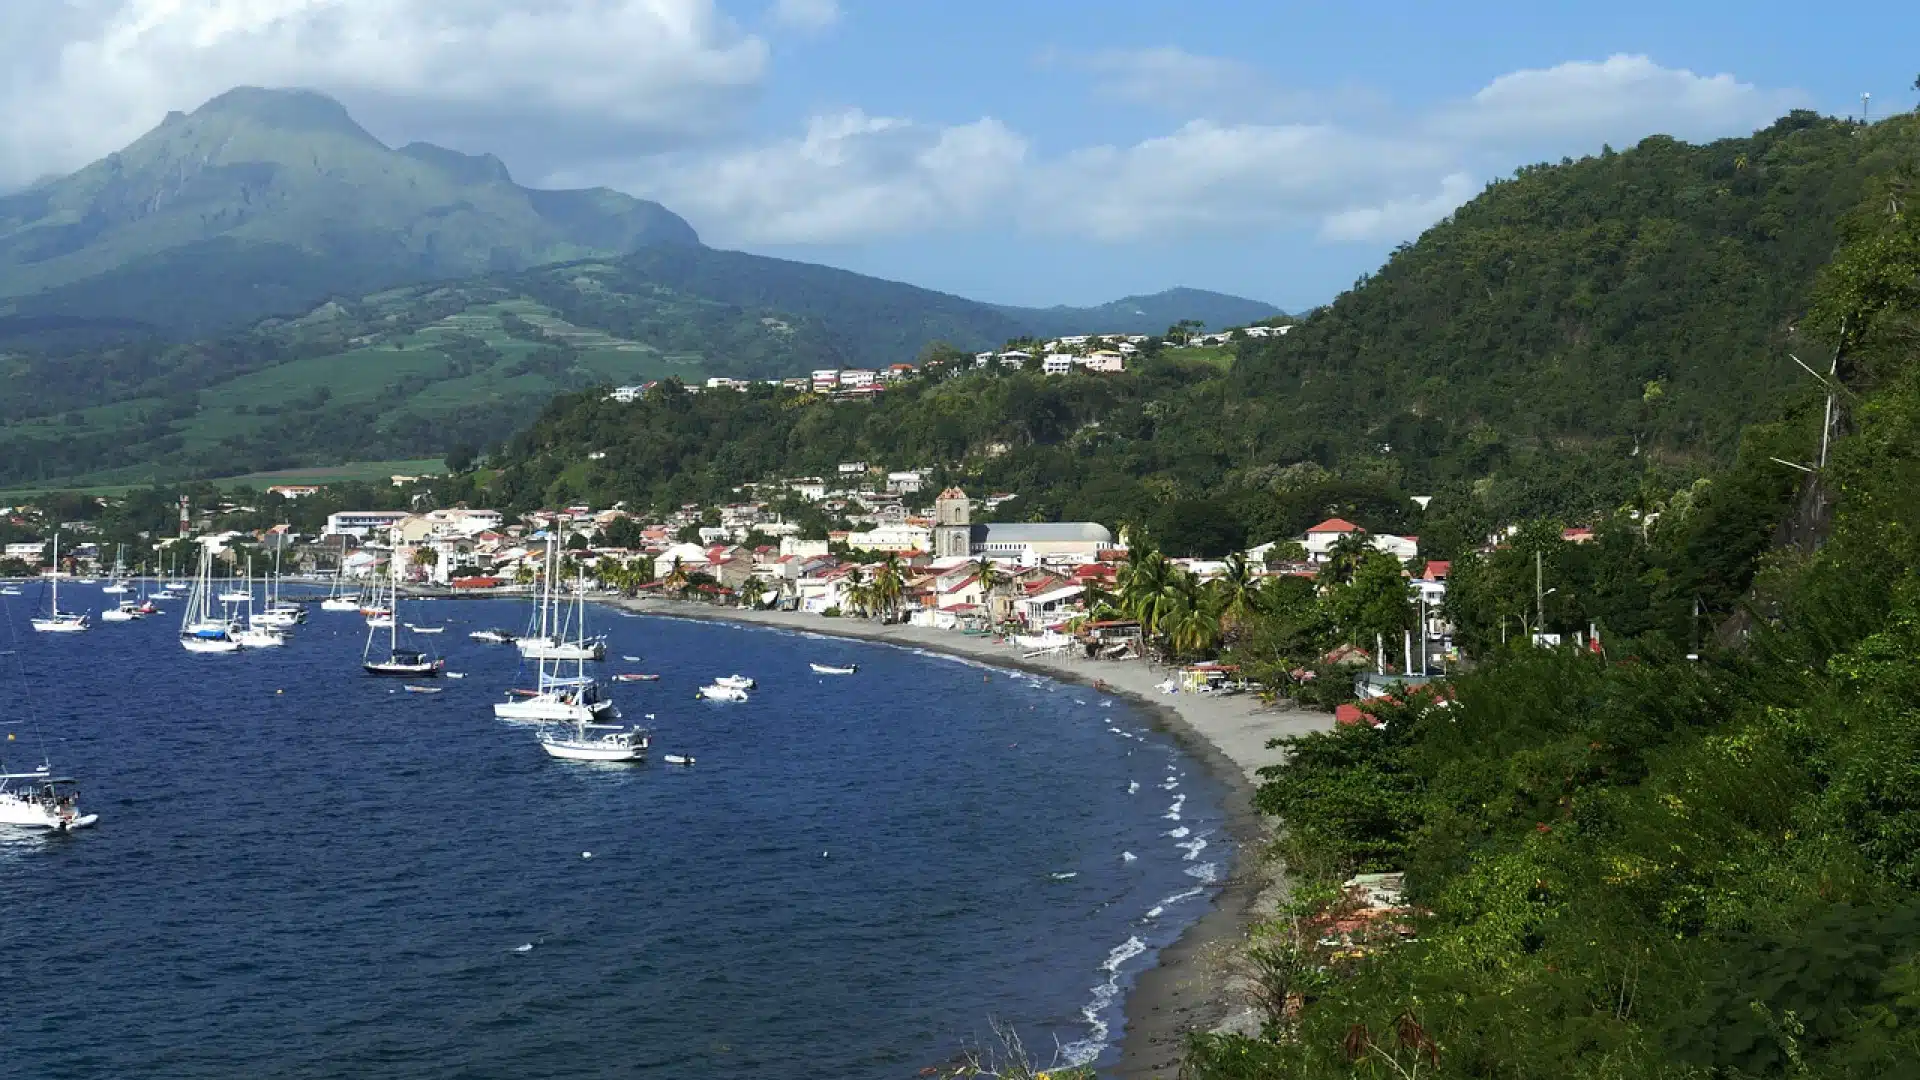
point(717, 692)
point(631, 677)
point(676, 759)
point(427, 629)
point(829, 669)
point(424, 689)
point(737, 682)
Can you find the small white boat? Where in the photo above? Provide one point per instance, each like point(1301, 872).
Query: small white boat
point(10, 590)
point(456, 674)
point(737, 682)
point(380, 622)
point(677, 759)
point(40, 800)
point(344, 602)
point(631, 659)
point(427, 629)
point(411, 689)
point(717, 692)
point(634, 677)
point(829, 669)
point(128, 611)
point(235, 596)
point(260, 637)
point(492, 637)
point(114, 589)
point(596, 742)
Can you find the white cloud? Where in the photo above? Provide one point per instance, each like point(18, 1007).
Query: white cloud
point(104, 72)
point(1623, 97)
point(806, 14)
point(1397, 219)
point(850, 177)
point(1163, 76)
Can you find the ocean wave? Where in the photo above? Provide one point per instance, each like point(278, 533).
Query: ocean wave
point(1206, 872)
point(1083, 1051)
point(1173, 812)
point(1179, 833)
point(1193, 847)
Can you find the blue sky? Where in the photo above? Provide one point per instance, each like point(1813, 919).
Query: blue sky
point(1051, 151)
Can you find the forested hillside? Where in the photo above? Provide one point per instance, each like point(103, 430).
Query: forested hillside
point(1632, 862)
point(1582, 336)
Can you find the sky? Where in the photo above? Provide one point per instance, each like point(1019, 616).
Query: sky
point(1035, 152)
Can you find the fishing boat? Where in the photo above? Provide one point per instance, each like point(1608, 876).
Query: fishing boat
point(56, 621)
point(737, 682)
point(41, 800)
point(492, 637)
point(399, 663)
point(829, 669)
point(200, 632)
point(595, 742)
point(631, 677)
point(717, 692)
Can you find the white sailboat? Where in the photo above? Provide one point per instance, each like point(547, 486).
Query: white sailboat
point(278, 614)
point(41, 800)
point(596, 742)
point(550, 641)
point(200, 631)
point(337, 600)
point(56, 621)
point(556, 698)
point(400, 663)
point(117, 581)
point(251, 632)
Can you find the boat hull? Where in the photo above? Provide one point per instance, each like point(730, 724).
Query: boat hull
point(209, 645)
point(351, 603)
point(573, 751)
point(402, 671)
point(546, 710)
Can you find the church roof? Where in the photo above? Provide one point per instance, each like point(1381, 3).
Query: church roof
point(953, 493)
point(1049, 532)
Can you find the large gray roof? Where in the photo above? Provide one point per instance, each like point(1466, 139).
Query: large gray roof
point(1041, 533)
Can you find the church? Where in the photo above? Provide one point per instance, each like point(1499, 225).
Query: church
point(955, 534)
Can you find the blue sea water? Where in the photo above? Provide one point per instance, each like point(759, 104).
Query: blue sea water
point(301, 872)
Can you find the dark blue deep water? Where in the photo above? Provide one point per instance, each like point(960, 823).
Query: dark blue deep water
point(300, 873)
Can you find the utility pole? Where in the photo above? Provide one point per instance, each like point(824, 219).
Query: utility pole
point(1539, 596)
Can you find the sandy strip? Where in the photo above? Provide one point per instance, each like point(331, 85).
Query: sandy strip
point(1191, 988)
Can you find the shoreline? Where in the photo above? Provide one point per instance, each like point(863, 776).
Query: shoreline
point(1192, 985)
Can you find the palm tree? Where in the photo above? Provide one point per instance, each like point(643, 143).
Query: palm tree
point(1344, 557)
point(1145, 594)
point(990, 579)
point(1192, 622)
point(859, 594)
point(888, 583)
point(676, 579)
point(1237, 595)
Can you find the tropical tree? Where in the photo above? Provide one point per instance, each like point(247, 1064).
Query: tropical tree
point(1146, 590)
point(889, 582)
point(676, 579)
point(1192, 622)
point(859, 592)
point(1344, 557)
point(990, 578)
point(1237, 595)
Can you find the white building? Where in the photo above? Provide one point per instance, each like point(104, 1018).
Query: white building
point(892, 537)
point(1057, 363)
point(825, 379)
point(1106, 361)
point(907, 482)
point(855, 378)
point(361, 523)
point(626, 394)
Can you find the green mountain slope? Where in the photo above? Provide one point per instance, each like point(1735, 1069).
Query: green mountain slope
point(269, 201)
point(1581, 336)
point(1144, 314)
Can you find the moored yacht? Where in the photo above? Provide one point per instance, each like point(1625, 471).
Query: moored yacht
point(40, 800)
point(596, 742)
point(56, 621)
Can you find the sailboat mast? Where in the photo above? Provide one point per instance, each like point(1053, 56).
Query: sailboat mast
point(56, 573)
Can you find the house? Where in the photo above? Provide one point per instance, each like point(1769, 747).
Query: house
point(892, 537)
point(825, 379)
point(1579, 534)
point(1106, 361)
point(1049, 608)
point(293, 491)
point(907, 482)
point(1014, 358)
point(1320, 540)
point(896, 372)
point(1057, 363)
point(720, 382)
point(810, 488)
point(26, 552)
point(626, 394)
point(856, 378)
point(360, 523)
point(852, 468)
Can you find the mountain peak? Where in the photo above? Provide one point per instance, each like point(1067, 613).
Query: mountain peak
point(288, 109)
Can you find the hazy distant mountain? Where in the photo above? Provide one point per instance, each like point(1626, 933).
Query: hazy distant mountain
point(270, 201)
point(1145, 314)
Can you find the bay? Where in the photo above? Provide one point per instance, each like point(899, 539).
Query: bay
point(303, 872)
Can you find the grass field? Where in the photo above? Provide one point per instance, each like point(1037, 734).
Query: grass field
point(371, 472)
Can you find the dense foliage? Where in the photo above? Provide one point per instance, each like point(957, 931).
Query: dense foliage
point(1630, 864)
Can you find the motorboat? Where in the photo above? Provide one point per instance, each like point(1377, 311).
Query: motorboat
point(737, 682)
point(427, 629)
point(677, 759)
point(632, 677)
point(829, 669)
point(40, 800)
point(717, 692)
point(492, 636)
point(341, 602)
point(596, 742)
point(56, 621)
point(127, 611)
point(411, 689)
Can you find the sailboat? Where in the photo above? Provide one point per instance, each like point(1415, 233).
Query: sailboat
point(279, 614)
point(400, 663)
point(57, 621)
point(337, 600)
point(575, 699)
point(550, 642)
point(117, 582)
point(596, 742)
point(200, 632)
point(252, 633)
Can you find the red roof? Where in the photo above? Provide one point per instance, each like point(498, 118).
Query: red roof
point(962, 585)
point(1335, 525)
point(1349, 714)
point(1092, 570)
point(1437, 569)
